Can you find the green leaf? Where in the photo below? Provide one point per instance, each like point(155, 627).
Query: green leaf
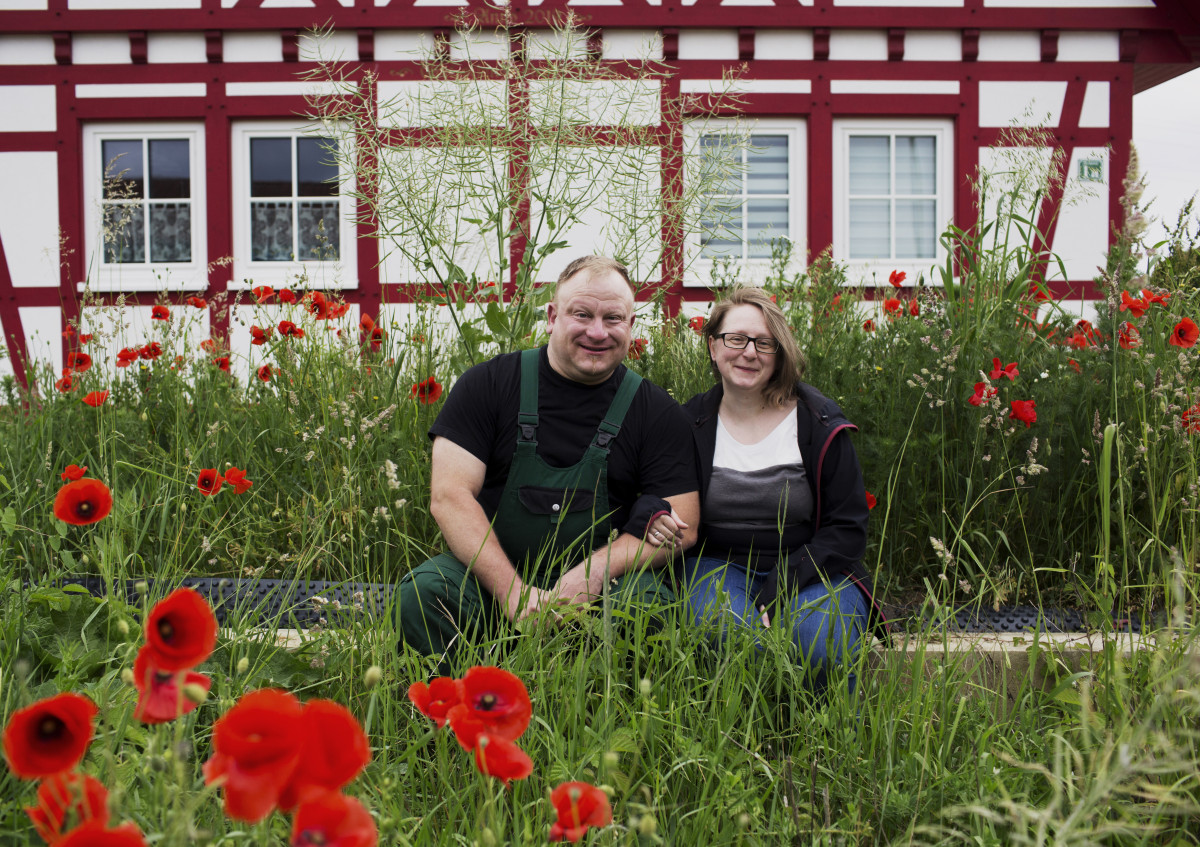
point(496, 320)
point(8, 521)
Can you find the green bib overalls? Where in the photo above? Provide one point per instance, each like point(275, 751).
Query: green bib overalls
point(549, 520)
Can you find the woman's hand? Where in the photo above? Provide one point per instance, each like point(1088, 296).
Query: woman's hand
point(666, 531)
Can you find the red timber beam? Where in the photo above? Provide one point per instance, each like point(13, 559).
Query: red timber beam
point(10, 319)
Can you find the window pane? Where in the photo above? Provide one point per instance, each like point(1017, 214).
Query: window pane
point(721, 235)
point(916, 229)
point(916, 156)
point(723, 162)
point(270, 167)
point(766, 220)
point(870, 229)
point(170, 232)
point(316, 170)
point(767, 165)
point(271, 228)
point(124, 233)
point(123, 169)
point(870, 166)
point(317, 227)
point(170, 168)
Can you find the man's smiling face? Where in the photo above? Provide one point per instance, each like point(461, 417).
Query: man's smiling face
point(590, 323)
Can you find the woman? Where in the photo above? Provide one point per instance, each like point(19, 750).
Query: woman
point(784, 512)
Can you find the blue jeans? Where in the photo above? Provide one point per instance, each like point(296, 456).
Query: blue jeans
point(827, 621)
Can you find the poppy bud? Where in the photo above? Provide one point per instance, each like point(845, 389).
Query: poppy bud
point(647, 826)
point(611, 759)
point(243, 665)
point(487, 838)
point(645, 687)
point(195, 692)
point(127, 676)
point(141, 587)
point(123, 627)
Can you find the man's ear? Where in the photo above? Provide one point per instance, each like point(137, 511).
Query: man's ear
point(551, 315)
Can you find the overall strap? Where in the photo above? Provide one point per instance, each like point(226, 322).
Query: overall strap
point(615, 416)
point(527, 419)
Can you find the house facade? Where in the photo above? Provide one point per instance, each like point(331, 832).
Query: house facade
point(867, 121)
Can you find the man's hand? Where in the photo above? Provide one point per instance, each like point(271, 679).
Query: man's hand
point(575, 587)
point(524, 601)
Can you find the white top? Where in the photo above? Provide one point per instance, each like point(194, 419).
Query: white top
point(779, 447)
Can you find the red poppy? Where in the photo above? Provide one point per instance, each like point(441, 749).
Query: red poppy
point(256, 749)
point(84, 798)
point(65, 384)
point(982, 394)
point(914, 307)
point(336, 310)
point(637, 347)
point(49, 736)
point(1038, 292)
point(126, 356)
point(197, 302)
point(1151, 297)
point(1191, 420)
point(1009, 370)
point(697, 323)
point(181, 630)
point(68, 332)
point(837, 303)
point(366, 323)
point(264, 373)
point(73, 472)
point(1074, 365)
point(82, 502)
point(871, 501)
point(333, 820)
point(336, 749)
point(160, 313)
point(377, 338)
point(85, 337)
point(160, 691)
point(428, 391)
point(1135, 307)
point(262, 293)
point(417, 338)
point(260, 335)
point(95, 399)
point(222, 363)
point(94, 834)
point(893, 307)
point(502, 759)
point(436, 698)
point(78, 362)
point(286, 295)
point(290, 330)
point(237, 478)
point(896, 278)
point(869, 325)
point(208, 345)
point(151, 351)
point(1128, 336)
point(1023, 411)
point(495, 702)
point(579, 806)
point(316, 304)
point(1184, 334)
point(209, 482)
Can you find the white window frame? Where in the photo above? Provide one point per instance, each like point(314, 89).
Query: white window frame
point(309, 273)
point(877, 270)
point(754, 271)
point(143, 276)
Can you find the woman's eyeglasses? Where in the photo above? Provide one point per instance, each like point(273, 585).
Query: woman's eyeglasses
point(737, 341)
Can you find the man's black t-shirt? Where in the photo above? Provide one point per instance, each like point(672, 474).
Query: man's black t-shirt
point(652, 454)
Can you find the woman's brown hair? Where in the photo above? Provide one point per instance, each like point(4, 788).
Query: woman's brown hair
point(790, 363)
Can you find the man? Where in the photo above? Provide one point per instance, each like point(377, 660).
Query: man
point(536, 456)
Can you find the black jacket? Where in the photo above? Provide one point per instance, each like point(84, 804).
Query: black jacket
point(839, 527)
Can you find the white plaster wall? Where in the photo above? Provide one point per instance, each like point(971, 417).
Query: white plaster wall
point(329, 47)
point(114, 327)
point(893, 86)
point(27, 108)
point(252, 47)
point(1081, 238)
point(22, 5)
point(43, 337)
point(1021, 103)
point(632, 44)
point(783, 44)
point(403, 45)
point(932, 45)
point(482, 44)
point(1095, 105)
point(708, 44)
point(867, 45)
point(99, 91)
point(899, 3)
point(303, 88)
point(133, 4)
point(1010, 46)
point(631, 103)
point(29, 227)
point(428, 103)
point(175, 48)
point(1014, 177)
point(26, 50)
point(100, 48)
point(1089, 46)
point(745, 86)
point(1071, 4)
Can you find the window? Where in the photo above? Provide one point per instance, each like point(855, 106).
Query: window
point(760, 198)
point(290, 214)
point(144, 201)
point(892, 193)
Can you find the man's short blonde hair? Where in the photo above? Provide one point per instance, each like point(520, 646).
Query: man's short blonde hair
point(593, 265)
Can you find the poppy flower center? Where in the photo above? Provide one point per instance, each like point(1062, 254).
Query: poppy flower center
point(84, 508)
point(311, 838)
point(50, 727)
point(487, 702)
point(166, 630)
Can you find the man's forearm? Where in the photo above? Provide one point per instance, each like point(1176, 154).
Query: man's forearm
point(625, 553)
point(469, 535)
